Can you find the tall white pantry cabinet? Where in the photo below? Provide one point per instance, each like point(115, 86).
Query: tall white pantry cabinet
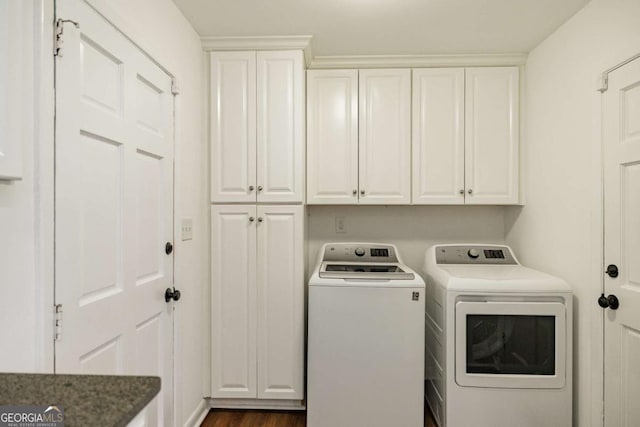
point(257, 224)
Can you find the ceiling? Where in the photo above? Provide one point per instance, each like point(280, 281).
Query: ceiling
point(385, 27)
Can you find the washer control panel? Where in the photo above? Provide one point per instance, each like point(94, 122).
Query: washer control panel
point(474, 254)
point(360, 252)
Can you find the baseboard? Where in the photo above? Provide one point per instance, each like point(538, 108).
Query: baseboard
point(289, 405)
point(198, 415)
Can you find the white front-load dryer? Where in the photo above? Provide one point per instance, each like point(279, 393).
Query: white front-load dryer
point(365, 339)
point(498, 340)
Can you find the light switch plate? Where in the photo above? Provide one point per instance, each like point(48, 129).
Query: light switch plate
point(187, 229)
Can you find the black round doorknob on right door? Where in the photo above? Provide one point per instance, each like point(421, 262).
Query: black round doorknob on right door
point(172, 294)
point(610, 301)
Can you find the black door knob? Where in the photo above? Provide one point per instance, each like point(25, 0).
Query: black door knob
point(171, 294)
point(168, 248)
point(612, 270)
point(610, 301)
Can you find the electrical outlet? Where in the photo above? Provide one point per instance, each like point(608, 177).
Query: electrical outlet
point(187, 229)
point(340, 225)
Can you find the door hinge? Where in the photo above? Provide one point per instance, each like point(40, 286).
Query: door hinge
point(59, 32)
point(57, 322)
point(175, 89)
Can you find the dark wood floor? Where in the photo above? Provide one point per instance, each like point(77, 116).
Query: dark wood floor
point(259, 418)
point(254, 418)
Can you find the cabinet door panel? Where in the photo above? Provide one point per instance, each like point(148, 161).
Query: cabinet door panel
point(233, 130)
point(280, 123)
point(14, 85)
point(491, 134)
point(233, 301)
point(280, 302)
point(332, 136)
point(438, 136)
point(385, 142)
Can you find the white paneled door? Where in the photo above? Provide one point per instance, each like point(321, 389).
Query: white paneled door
point(113, 207)
point(621, 149)
point(385, 136)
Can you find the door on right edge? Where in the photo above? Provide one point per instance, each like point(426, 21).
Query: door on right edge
point(621, 151)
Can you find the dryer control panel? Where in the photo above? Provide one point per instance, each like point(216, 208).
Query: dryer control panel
point(475, 254)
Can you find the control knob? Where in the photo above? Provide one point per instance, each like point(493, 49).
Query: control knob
point(473, 253)
point(359, 252)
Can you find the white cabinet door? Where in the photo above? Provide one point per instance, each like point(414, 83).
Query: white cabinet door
point(438, 136)
point(385, 140)
point(233, 301)
point(233, 127)
point(280, 127)
point(332, 137)
point(491, 134)
point(280, 320)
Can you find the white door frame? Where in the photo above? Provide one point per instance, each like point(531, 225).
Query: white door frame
point(596, 285)
point(38, 32)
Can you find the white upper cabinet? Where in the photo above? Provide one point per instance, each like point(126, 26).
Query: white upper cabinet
point(385, 136)
point(359, 136)
point(465, 136)
point(332, 137)
point(257, 127)
point(492, 135)
point(438, 136)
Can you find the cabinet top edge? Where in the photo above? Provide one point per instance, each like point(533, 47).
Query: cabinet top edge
point(418, 61)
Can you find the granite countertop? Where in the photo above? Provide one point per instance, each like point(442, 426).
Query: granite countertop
point(105, 400)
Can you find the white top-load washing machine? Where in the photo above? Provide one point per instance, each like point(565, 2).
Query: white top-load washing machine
point(365, 339)
point(498, 340)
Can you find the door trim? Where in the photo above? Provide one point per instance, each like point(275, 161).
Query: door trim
point(596, 286)
point(39, 31)
point(605, 75)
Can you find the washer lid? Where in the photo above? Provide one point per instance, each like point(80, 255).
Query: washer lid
point(373, 271)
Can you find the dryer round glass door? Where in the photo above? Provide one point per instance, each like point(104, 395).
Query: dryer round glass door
point(507, 344)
